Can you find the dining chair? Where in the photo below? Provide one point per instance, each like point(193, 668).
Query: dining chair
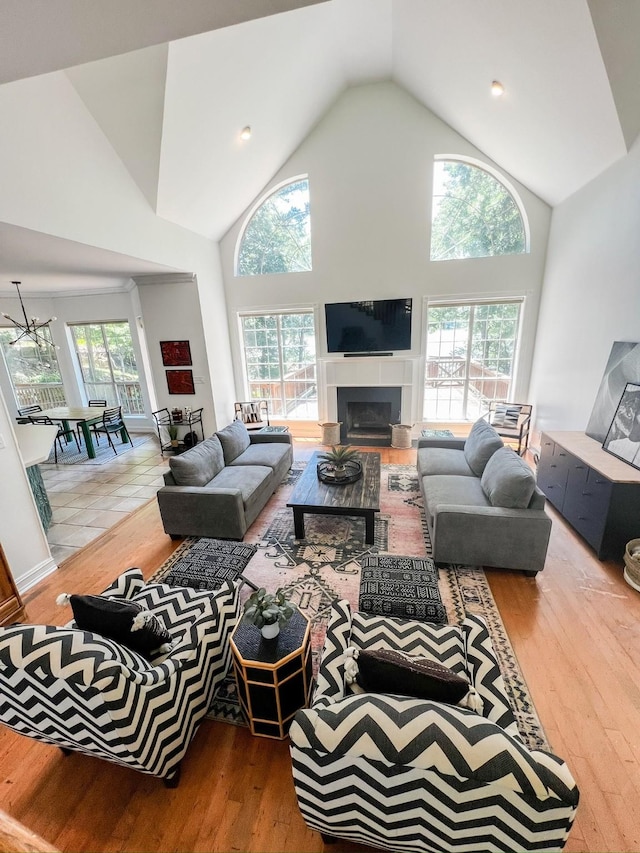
point(92, 404)
point(62, 433)
point(112, 422)
point(25, 411)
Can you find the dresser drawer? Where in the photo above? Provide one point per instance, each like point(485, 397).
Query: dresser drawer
point(586, 504)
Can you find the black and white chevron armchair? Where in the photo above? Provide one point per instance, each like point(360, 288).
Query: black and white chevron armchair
point(80, 691)
point(407, 774)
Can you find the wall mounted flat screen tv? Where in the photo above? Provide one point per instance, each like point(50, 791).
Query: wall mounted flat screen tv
point(379, 325)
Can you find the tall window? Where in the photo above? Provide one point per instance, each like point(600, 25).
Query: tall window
point(280, 359)
point(277, 238)
point(33, 370)
point(471, 350)
point(474, 215)
point(108, 364)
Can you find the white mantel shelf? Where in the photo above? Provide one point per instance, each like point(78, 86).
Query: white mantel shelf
point(372, 372)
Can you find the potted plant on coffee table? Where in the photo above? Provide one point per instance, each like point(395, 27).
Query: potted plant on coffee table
point(268, 610)
point(338, 460)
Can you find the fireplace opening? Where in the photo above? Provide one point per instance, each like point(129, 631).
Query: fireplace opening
point(366, 414)
point(368, 421)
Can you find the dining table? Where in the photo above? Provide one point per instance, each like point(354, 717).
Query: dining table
point(84, 416)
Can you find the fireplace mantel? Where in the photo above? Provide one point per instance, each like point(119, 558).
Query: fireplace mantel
point(363, 371)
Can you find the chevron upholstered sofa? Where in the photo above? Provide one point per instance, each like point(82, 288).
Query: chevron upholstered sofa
point(408, 774)
point(80, 691)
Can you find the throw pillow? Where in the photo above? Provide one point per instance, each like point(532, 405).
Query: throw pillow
point(125, 622)
point(199, 465)
point(507, 480)
point(482, 442)
point(505, 416)
point(234, 440)
point(386, 671)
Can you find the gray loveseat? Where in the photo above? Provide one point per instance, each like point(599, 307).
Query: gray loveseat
point(217, 488)
point(481, 502)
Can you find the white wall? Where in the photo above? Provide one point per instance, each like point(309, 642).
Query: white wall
point(370, 167)
point(171, 312)
point(591, 294)
point(21, 533)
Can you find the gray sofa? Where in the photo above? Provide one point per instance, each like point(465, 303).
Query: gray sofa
point(217, 488)
point(481, 502)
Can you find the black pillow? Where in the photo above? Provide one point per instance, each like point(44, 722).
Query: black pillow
point(384, 671)
point(114, 619)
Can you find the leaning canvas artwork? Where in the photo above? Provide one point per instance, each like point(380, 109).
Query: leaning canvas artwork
point(623, 366)
point(623, 437)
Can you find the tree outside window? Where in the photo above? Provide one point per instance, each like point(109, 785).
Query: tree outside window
point(33, 370)
point(280, 362)
point(473, 215)
point(108, 364)
point(277, 238)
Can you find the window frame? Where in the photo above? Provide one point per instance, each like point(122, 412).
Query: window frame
point(504, 181)
point(249, 217)
point(120, 400)
point(57, 395)
point(470, 301)
point(266, 311)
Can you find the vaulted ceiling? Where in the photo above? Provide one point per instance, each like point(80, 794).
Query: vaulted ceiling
point(171, 85)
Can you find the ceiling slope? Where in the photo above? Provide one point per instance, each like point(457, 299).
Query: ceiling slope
point(125, 95)
point(617, 26)
point(38, 36)
point(556, 126)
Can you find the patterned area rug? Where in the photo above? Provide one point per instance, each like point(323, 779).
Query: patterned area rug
point(327, 565)
point(71, 456)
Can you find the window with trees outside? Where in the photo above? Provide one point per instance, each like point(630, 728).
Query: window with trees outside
point(33, 370)
point(277, 237)
point(474, 215)
point(471, 352)
point(280, 362)
point(108, 364)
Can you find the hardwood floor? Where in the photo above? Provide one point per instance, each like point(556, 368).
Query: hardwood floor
point(575, 629)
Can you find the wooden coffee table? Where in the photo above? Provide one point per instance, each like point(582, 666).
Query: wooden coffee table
point(361, 498)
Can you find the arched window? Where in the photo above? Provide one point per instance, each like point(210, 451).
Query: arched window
point(474, 213)
point(277, 235)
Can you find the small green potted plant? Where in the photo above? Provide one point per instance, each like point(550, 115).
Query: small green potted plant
point(338, 457)
point(173, 435)
point(268, 610)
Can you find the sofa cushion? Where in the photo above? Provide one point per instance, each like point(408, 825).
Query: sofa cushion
point(248, 479)
point(234, 439)
point(482, 442)
point(441, 489)
point(196, 467)
point(507, 480)
point(443, 460)
point(262, 454)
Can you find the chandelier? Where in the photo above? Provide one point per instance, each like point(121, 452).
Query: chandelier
point(30, 328)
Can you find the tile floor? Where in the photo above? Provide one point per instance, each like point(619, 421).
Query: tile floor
point(88, 499)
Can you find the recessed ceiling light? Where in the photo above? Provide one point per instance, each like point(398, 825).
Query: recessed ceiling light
point(245, 133)
point(497, 89)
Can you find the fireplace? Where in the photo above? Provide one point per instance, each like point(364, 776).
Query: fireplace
point(366, 414)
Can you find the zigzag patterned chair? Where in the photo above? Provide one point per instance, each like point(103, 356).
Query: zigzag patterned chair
point(80, 691)
point(413, 775)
